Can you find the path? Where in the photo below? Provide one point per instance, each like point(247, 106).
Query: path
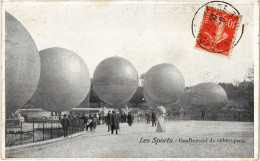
point(102, 144)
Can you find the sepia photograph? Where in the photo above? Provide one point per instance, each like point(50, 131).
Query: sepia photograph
point(121, 79)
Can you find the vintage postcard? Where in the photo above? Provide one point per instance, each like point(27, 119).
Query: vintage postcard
point(146, 80)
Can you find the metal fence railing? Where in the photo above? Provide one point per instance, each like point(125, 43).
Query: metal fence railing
point(25, 132)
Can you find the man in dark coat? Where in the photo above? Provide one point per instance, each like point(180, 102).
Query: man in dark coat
point(114, 123)
point(109, 118)
point(99, 119)
point(130, 118)
point(202, 115)
point(95, 121)
point(153, 118)
point(65, 123)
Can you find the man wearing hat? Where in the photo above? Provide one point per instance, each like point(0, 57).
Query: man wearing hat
point(154, 118)
point(109, 119)
point(114, 123)
point(65, 123)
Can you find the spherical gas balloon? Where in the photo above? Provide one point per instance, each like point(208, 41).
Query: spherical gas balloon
point(164, 83)
point(207, 94)
point(22, 65)
point(115, 80)
point(64, 80)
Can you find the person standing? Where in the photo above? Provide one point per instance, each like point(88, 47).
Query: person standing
point(202, 115)
point(160, 123)
point(95, 121)
point(153, 118)
point(65, 123)
point(103, 118)
point(91, 123)
point(109, 118)
point(99, 119)
point(85, 119)
point(125, 117)
point(148, 117)
point(121, 117)
point(114, 123)
point(130, 118)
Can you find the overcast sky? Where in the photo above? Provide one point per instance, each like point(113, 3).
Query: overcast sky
point(145, 35)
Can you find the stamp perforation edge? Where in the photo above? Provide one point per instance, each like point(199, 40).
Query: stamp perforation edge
point(234, 37)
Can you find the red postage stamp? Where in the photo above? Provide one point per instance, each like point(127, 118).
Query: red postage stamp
point(218, 31)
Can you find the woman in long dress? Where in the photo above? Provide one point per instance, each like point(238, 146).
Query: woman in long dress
point(160, 119)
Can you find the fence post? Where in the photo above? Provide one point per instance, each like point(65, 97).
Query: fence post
point(33, 131)
point(77, 125)
point(21, 133)
point(51, 129)
point(82, 127)
point(72, 126)
point(80, 123)
point(58, 129)
point(74, 123)
point(43, 129)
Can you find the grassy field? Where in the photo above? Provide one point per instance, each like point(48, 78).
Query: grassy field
point(182, 139)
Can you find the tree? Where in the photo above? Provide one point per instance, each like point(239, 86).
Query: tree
point(230, 89)
point(142, 79)
point(250, 75)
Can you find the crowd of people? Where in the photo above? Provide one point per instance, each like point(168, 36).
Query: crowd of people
point(111, 120)
point(151, 116)
point(157, 120)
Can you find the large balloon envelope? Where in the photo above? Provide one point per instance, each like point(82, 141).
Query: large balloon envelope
point(64, 80)
point(164, 83)
point(184, 100)
point(22, 65)
point(115, 80)
point(149, 101)
point(208, 94)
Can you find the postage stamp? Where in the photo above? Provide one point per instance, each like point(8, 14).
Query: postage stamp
point(218, 31)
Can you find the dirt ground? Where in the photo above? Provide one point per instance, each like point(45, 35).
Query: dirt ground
point(182, 139)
